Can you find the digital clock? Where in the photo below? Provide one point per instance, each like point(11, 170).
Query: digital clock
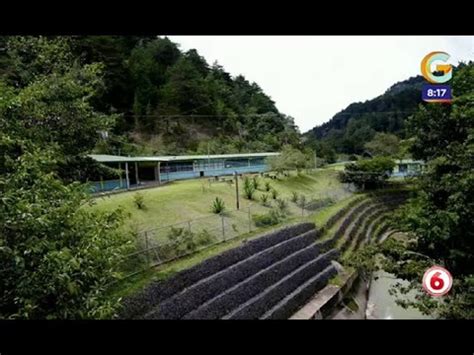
point(436, 93)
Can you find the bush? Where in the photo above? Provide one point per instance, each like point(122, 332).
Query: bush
point(183, 240)
point(249, 189)
point(218, 206)
point(274, 194)
point(294, 197)
point(204, 238)
point(302, 201)
point(255, 183)
point(282, 206)
point(139, 201)
point(267, 186)
point(268, 219)
point(264, 199)
point(175, 234)
point(316, 204)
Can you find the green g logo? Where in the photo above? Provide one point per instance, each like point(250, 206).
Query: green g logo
point(445, 70)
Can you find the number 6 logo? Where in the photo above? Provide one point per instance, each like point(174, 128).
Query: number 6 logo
point(437, 281)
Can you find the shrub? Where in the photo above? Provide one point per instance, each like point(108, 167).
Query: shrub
point(264, 199)
point(249, 189)
point(282, 206)
point(316, 204)
point(294, 197)
point(267, 186)
point(175, 234)
point(274, 194)
point(255, 183)
point(183, 240)
point(302, 201)
point(268, 219)
point(139, 201)
point(204, 238)
point(218, 206)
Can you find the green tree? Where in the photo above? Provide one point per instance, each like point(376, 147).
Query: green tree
point(440, 219)
point(56, 257)
point(368, 173)
point(51, 103)
point(383, 144)
point(289, 159)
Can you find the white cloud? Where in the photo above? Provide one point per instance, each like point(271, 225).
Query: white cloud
point(313, 77)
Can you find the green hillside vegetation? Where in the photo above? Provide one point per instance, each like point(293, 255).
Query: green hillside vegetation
point(349, 130)
point(169, 101)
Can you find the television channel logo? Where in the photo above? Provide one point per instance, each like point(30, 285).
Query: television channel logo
point(436, 70)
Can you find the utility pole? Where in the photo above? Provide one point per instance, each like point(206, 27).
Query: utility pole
point(315, 160)
point(208, 157)
point(237, 188)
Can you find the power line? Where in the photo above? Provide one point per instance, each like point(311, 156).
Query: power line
point(267, 114)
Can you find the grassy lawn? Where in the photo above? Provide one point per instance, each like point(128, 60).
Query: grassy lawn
point(180, 201)
point(336, 166)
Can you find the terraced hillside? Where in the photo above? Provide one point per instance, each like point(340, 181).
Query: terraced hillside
point(270, 277)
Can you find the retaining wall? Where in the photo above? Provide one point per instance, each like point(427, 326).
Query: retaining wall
point(158, 291)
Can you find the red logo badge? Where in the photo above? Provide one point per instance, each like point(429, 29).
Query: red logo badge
point(437, 281)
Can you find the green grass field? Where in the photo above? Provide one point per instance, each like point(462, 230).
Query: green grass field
point(180, 201)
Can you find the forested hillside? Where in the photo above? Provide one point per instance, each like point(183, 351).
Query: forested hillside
point(168, 101)
point(349, 130)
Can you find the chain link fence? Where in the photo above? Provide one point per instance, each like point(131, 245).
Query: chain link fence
point(164, 244)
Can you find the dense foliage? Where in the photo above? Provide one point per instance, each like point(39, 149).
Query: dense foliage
point(171, 101)
point(384, 144)
point(56, 258)
point(349, 130)
point(368, 173)
point(291, 159)
point(442, 215)
point(439, 221)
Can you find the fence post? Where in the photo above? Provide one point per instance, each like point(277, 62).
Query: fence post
point(223, 227)
point(250, 221)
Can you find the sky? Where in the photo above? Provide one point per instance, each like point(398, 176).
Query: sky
point(311, 78)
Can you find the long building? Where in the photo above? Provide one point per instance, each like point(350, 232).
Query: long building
point(139, 171)
point(408, 167)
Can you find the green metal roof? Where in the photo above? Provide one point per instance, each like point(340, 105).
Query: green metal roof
point(104, 158)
